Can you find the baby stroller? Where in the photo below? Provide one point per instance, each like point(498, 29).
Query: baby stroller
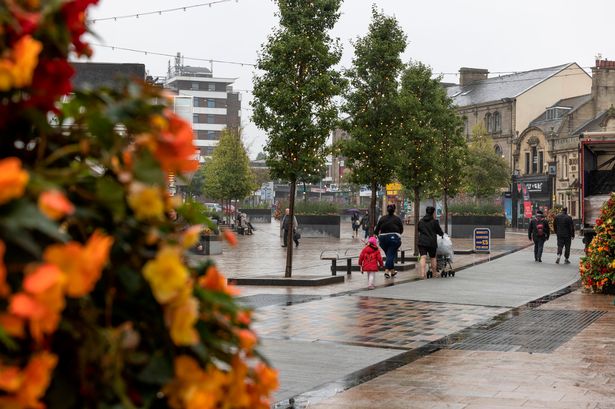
point(444, 256)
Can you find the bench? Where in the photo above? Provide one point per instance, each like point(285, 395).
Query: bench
point(334, 257)
point(403, 251)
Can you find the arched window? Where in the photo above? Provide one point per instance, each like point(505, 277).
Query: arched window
point(497, 122)
point(488, 122)
point(565, 166)
point(498, 151)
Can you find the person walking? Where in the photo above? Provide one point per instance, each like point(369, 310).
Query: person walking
point(389, 229)
point(563, 227)
point(356, 223)
point(370, 261)
point(538, 232)
point(429, 228)
point(286, 227)
point(365, 224)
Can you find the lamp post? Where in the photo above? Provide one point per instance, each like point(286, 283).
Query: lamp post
point(552, 168)
point(515, 199)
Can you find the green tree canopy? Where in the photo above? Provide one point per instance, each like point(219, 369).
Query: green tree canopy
point(371, 104)
point(294, 91)
point(486, 172)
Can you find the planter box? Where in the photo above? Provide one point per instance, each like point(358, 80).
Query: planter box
point(257, 215)
point(319, 226)
point(462, 227)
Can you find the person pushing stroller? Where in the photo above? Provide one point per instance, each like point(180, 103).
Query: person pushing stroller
point(429, 228)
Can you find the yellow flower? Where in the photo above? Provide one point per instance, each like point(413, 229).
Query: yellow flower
point(191, 236)
point(166, 274)
point(17, 68)
point(181, 316)
point(13, 179)
point(146, 202)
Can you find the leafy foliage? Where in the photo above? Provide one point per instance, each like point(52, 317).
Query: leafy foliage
point(597, 268)
point(470, 209)
point(371, 103)
point(98, 307)
point(486, 172)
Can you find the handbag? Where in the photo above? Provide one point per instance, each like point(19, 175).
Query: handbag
point(297, 235)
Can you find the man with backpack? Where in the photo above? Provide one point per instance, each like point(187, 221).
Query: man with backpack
point(539, 232)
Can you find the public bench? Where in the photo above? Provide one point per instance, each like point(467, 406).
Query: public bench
point(333, 256)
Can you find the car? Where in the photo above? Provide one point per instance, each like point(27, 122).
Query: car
point(214, 207)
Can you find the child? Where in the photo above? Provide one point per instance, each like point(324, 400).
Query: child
point(370, 261)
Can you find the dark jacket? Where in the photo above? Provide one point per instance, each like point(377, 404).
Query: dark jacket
point(389, 224)
point(429, 229)
point(365, 222)
point(563, 226)
point(370, 258)
point(532, 231)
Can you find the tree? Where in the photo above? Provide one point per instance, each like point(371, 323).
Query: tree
point(371, 104)
point(485, 172)
point(261, 156)
point(196, 186)
point(423, 118)
point(293, 95)
point(227, 174)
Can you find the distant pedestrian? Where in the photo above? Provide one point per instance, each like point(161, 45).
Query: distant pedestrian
point(286, 228)
point(563, 227)
point(538, 232)
point(429, 228)
point(389, 230)
point(356, 223)
point(365, 224)
point(370, 261)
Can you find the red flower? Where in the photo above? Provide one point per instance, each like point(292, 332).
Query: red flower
point(598, 222)
point(74, 14)
point(51, 80)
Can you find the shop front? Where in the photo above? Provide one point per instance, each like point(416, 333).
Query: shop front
point(530, 194)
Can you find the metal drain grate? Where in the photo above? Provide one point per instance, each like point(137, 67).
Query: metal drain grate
point(532, 331)
point(265, 300)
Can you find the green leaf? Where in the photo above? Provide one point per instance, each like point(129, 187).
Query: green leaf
point(112, 194)
point(147, 169)
point(158, 371)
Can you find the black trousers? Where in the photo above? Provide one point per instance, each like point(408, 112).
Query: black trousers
point(564, 242)
point(539, 245)
point(286, 238)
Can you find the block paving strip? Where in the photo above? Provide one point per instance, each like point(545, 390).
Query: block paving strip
point(370, 321)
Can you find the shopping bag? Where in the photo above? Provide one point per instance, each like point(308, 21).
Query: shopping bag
point(445, 247)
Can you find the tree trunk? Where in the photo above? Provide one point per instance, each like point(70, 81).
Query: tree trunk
point(372, 209)
point(445, 211)
point(305, 195)
point(417, 209)
point(291, 232)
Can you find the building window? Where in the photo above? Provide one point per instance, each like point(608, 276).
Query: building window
point(488, 122)
point(194, 86)
point(498, 151)
point(565, 167)
point(211, 103)
point(195, 102)
point(527, 163)
point(195, 118)
point(534, 160)
point(573, 208)
point(497, 122)
point(211, 119)
point(541, 162)
point(211, 87)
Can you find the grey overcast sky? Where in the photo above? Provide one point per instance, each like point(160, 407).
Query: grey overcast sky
point(445, 34)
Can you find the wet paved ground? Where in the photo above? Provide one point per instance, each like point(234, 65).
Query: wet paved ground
point(441, 343)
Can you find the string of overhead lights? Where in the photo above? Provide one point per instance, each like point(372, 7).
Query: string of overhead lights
point(147, 52)
point(160, 12)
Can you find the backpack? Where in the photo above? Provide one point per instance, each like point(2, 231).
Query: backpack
point(540, 229)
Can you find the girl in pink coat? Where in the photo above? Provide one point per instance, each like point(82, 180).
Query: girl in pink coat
point(370, 261)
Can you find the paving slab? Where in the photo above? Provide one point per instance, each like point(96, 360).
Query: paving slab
point(509, 281)
point(305, 365)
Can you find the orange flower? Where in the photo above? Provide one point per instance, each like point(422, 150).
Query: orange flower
point(12, 325)
point(174, 147)
point(13, 179)
point(244, 317)
point(82, 265)
point(4, 288)
point(195, 388)
point(247, 339)
point(266, 377)
point(55, 205)
point(191, 236)
point(26, 387)
point(16, 70)
point(42, 301)
point(230, 237)
point(213, 280)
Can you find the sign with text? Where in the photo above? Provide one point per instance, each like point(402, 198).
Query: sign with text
point(482, 240)
point(393, 189)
